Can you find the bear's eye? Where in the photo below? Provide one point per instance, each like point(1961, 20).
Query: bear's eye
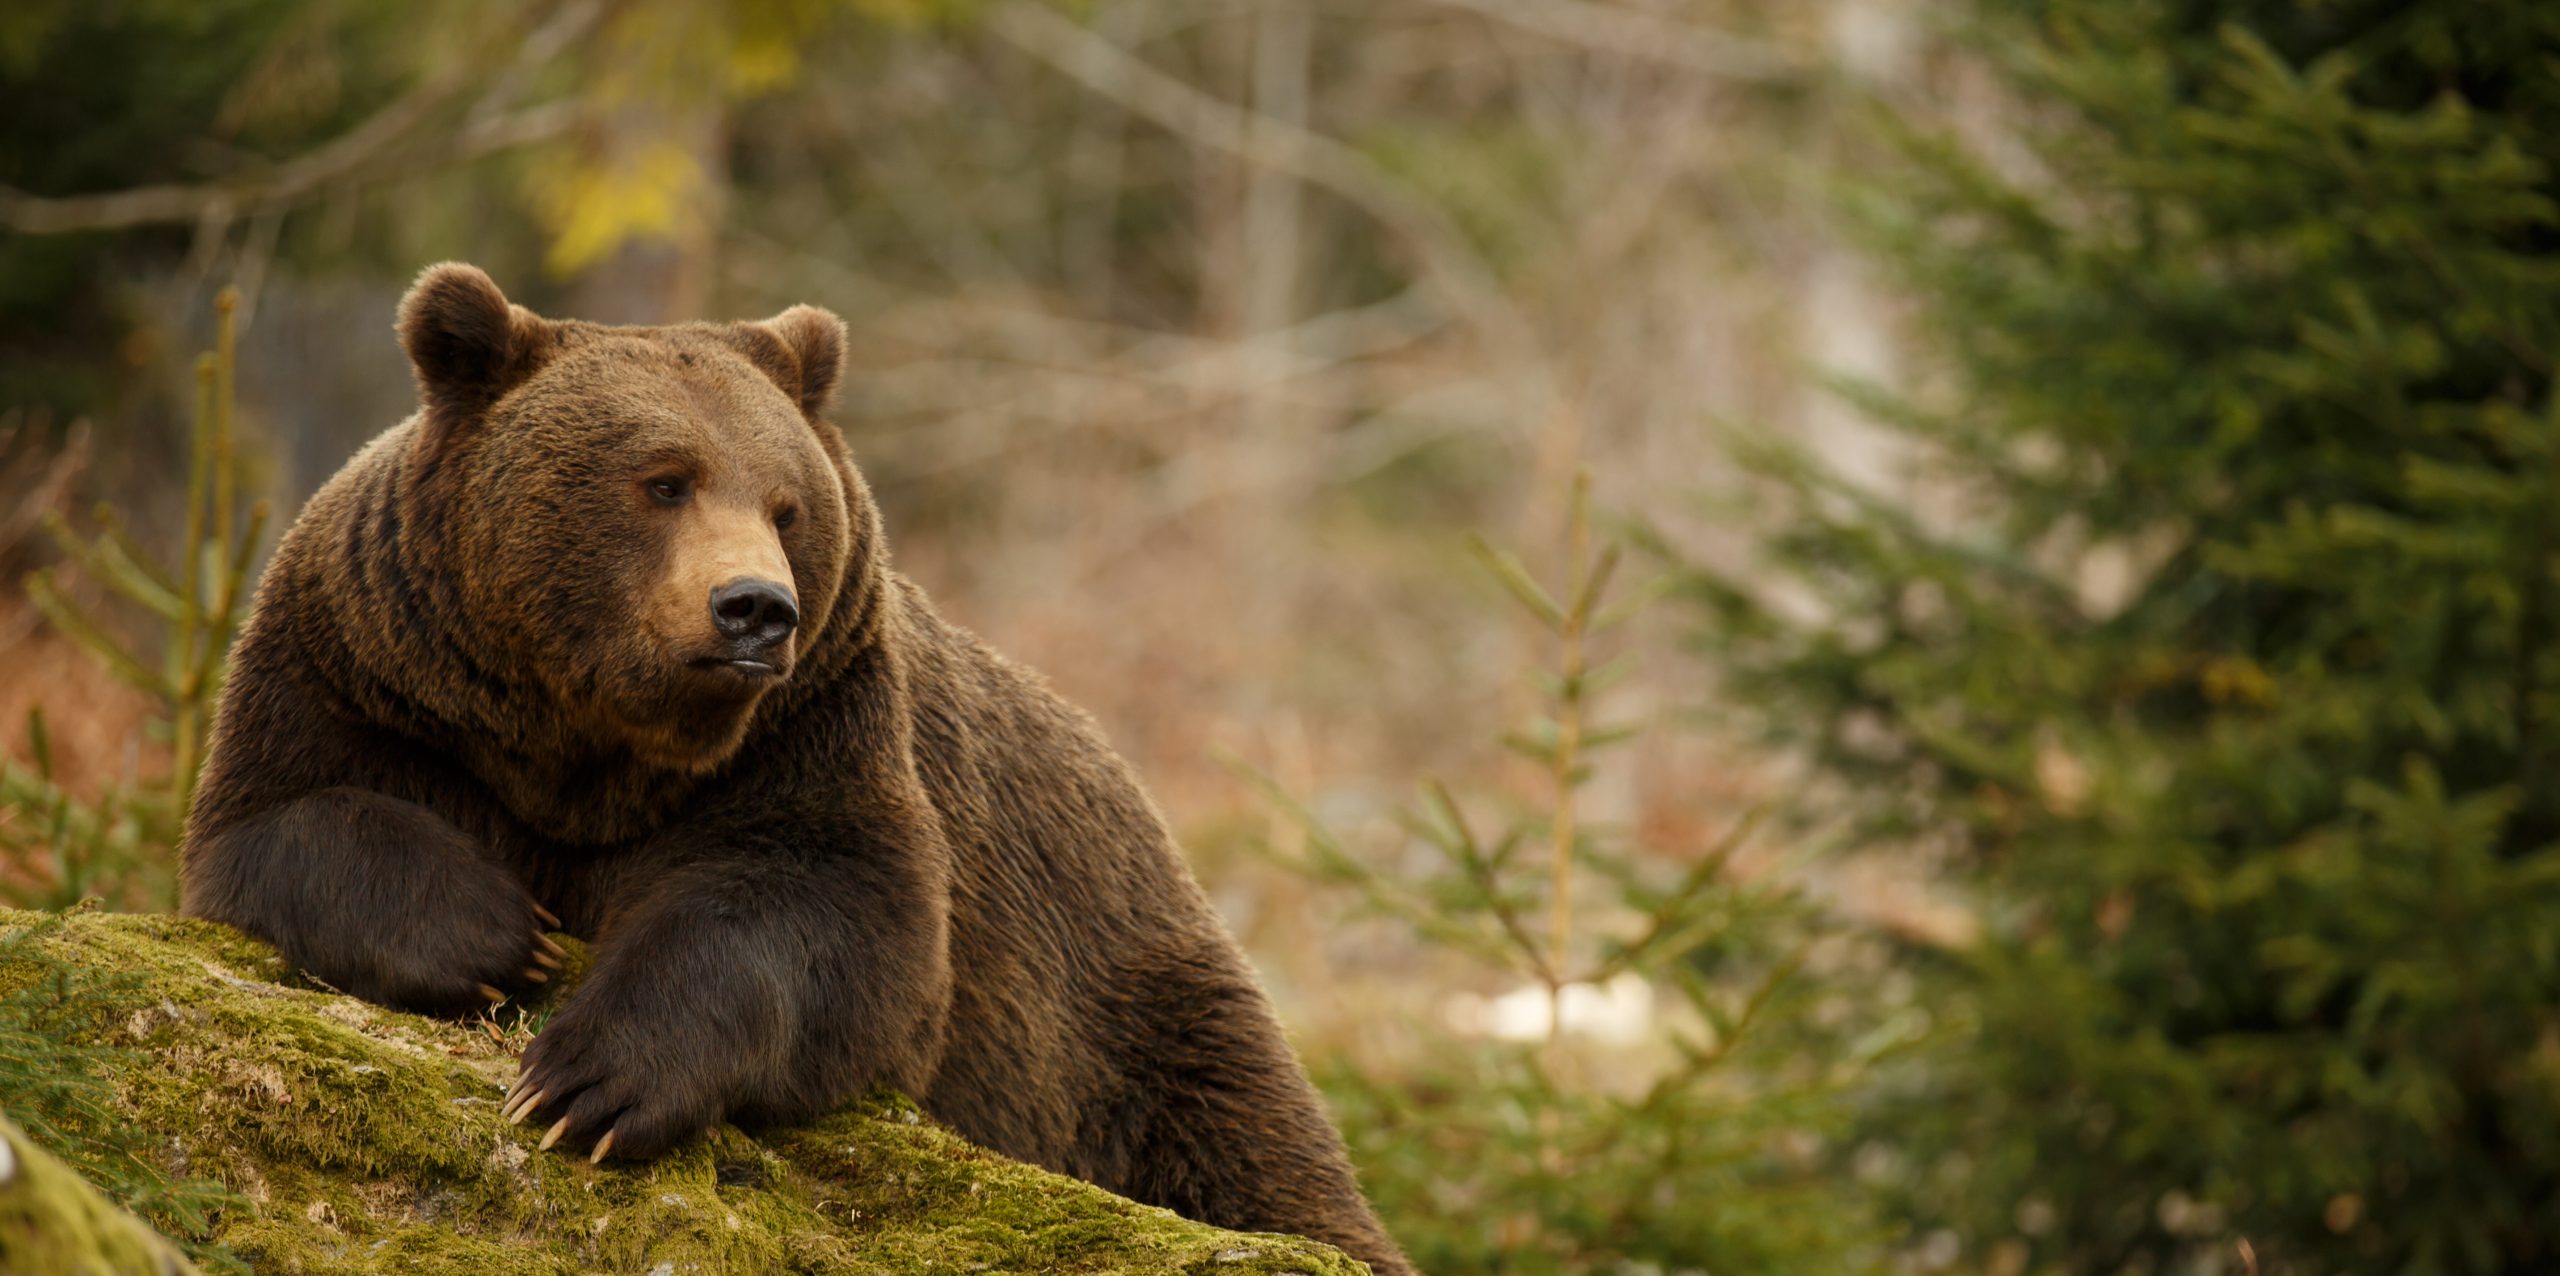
point(785, 517)
point(671, 490)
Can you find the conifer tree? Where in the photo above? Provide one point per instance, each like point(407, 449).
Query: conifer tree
point(2218, 642)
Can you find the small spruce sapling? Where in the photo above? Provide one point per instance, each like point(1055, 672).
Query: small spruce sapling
point(1519, 1156)
point(120, 843)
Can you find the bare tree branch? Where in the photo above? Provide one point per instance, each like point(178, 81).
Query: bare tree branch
point(358, 153)
point(1448, 264)
point(1646, 36)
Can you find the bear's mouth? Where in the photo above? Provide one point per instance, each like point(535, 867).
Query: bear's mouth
point(738, 666)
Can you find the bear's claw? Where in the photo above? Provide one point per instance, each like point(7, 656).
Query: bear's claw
point(598, 1091)
point(521, 1106)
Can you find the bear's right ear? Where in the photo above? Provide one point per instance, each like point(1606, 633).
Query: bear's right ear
point(466, 342)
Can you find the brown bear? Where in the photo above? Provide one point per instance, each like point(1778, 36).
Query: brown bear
point(606, 636)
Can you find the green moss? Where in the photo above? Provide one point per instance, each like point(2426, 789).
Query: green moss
point(53, 1221)
point(369, 1141)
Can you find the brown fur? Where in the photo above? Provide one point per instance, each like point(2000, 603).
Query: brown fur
point(465, 693)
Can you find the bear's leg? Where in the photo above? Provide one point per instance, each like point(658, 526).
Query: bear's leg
point(376, 896)
point(1217, 1121)
point(760, 979)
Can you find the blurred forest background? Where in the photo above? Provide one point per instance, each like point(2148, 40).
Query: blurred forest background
point(1803, 635)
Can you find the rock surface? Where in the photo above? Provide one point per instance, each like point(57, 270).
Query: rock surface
point(365, 1140)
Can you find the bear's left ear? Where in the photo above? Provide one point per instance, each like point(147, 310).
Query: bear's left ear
point(812, 350)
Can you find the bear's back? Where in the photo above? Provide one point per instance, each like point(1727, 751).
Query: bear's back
point(1066, 883)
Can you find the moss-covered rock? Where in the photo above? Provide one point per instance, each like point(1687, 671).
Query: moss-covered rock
point(365, 1140)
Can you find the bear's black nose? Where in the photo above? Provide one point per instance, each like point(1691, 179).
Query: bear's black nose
point(753, 613)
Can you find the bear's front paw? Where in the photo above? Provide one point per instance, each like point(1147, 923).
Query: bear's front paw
point(610, 1084)
point(464, 943)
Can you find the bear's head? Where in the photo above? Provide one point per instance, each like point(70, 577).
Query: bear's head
point(651, 525)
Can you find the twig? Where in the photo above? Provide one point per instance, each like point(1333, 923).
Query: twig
point(1665, 920)
point(1483, 874)
point(1567, 761)
point(46, 493)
